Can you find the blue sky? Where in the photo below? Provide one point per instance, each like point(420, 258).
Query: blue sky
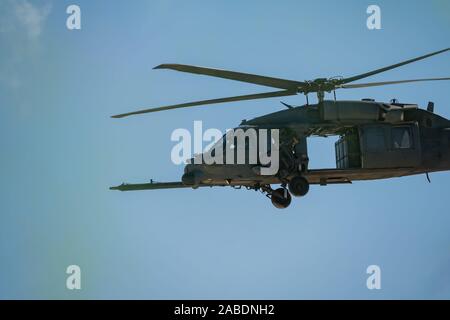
point(61, 152)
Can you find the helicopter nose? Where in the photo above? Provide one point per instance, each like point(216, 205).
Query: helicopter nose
point(188, 178)
point(192, 178)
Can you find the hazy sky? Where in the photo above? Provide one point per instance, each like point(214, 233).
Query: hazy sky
point(60, 152)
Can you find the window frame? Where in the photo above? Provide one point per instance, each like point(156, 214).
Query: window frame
point(411, 138)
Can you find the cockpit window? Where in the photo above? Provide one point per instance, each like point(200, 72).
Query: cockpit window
point(402, 138)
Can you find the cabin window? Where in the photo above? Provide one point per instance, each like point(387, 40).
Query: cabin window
point(401, 138)
point(375, 140)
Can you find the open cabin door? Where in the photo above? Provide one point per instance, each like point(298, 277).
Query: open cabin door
point(348, 151)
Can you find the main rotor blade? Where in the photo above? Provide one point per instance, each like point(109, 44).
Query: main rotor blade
point(212, 101)
point(371, 73)
point(237, 76)
point(376, 84)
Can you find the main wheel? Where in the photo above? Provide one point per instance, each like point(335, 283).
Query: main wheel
point(298, 186)
point(281, 198)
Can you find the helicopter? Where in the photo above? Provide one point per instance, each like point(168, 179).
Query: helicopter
point(376, 140)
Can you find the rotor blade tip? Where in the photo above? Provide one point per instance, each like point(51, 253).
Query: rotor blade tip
point(162, 66)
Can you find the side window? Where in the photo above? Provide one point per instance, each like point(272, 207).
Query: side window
point(401, 138)
point(375, 140)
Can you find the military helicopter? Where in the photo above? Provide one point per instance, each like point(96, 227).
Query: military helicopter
point(377, 140)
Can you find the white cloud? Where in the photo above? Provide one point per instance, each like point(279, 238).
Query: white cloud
point(31, 17)
point(22, 24)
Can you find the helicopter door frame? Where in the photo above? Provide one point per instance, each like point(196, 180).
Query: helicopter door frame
point(390, 145)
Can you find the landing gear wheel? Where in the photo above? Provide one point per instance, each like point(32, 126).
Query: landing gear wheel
point(298, 186)
point(281, 198)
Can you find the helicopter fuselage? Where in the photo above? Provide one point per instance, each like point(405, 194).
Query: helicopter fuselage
point(377, 141)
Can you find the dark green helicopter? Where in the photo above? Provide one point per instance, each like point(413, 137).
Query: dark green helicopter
point(377, 140)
